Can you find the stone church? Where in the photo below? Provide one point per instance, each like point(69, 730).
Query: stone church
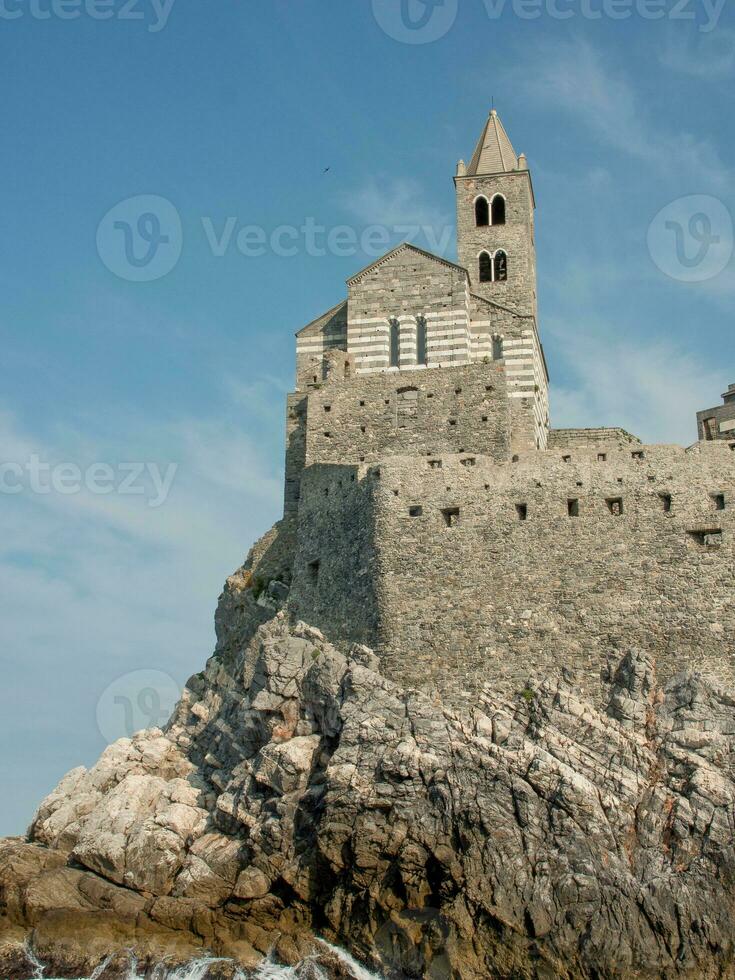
point(432, 513)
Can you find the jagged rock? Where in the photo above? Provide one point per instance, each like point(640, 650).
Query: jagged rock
point(297, 790)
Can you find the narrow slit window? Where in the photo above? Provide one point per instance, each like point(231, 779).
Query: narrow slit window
point(422, 345)
point(312, 570)
point(486, 267)
point(500, 267)
point(718, 501)
point(395, 343)
point(498, 210)
point(573, 507)
point(522, 512)
point(666, 502)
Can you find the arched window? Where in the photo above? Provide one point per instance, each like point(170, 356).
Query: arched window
point(395, 343)
point(482, 212)
point(497, 347)
point(486, 267)
point(498, 210)
point(422, 346)
point(500, 264)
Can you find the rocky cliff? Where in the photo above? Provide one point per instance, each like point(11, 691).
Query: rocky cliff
point(298, 793)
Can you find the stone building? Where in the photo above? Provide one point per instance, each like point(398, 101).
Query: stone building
point(719, 422)
point(432, 513)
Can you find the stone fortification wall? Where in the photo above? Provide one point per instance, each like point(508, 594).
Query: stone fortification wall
point(476, 571)
point(364, 418)
point(601, 439)
point(335, 572)
point(491, 571)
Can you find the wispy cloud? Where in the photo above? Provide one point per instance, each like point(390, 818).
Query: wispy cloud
point(576, 78)
point(708, 57)
point(402, 206)
point(651, 387)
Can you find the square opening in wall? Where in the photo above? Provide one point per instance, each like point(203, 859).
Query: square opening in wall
point(470, 461)
point(452, 421)
point(638, 455)
point(718, 501)
point(615, 506)
point(566, 459)
point(362, 404)
point(451, 516)
point(327, 408)
point(522, 511)
point(573, 507)
point(484, 418)
point(602, 457)
point(327, 435)
point(415, 511)
point(312, 571)
point(435, 464)
point(707, 538)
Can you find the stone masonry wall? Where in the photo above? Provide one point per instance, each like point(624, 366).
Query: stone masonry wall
point(364, 418)
point(488, 572)
point(405, 285)
point(600, 439)
point(496, 596)
point(719, 422)
point(335, 572)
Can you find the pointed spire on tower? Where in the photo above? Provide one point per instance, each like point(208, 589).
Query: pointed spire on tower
point(494, 152)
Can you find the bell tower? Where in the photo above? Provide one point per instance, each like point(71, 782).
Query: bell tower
point(495, 221)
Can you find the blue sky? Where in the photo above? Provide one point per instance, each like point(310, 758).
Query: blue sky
point(231, 112)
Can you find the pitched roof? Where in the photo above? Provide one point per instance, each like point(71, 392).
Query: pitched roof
point(324, 318)
point(494, 152)
point(395, 251)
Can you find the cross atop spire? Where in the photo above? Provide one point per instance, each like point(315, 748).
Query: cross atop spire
point(494, 152)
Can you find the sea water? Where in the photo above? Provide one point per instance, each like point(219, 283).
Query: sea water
point(198, 969)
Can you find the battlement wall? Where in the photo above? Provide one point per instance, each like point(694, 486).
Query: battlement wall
point(590, 439)
point(421, 412)
point(492, 571)
point(335, 571)
point(485, 571)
